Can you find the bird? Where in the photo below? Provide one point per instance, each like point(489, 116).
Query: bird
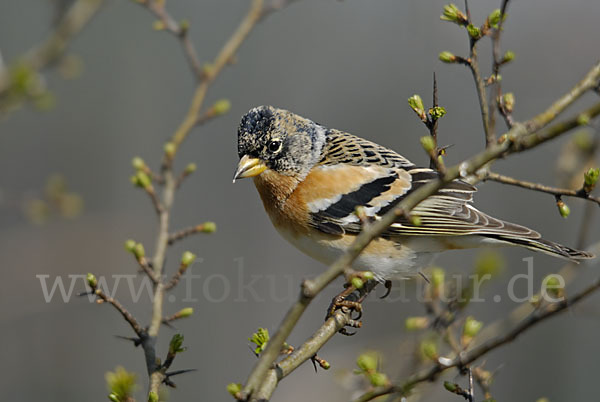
point(312, 181)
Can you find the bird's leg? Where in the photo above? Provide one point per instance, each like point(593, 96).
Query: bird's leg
point(357, 287)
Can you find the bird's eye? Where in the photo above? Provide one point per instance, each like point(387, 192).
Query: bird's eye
point(274, 146)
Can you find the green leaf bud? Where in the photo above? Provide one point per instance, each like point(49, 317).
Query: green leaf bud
point(453, 14)
point(139, 251)
point(508, 100)
point(416, 323)
point(367, 361)
point(447, 57)
point(508, 56)
point(563, 208)
point(590, 178)
point(209, 227)
point(357, 282)
point(416, 104)
point(130, 245)
point(91, 280)
point(185, 312)
point(138, 163)
point(158, 25)
point(474, 32)
point(378, 379)
point(437, 112)
point(190, 168)
point(221, 107)
point(187, 258)
point(234, 388)
point(175, 346)
point(494, 18)
point(472, 327)
point(450, 386)
point(260, 338)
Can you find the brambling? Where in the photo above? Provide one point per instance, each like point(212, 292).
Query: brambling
point(312, 179)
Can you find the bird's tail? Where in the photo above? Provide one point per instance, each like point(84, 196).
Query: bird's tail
point(548, 247)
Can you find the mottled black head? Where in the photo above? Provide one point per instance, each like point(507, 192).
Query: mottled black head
point(285, 142)
point(252, 133)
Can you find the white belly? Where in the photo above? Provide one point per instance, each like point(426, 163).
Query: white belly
point(387, 259)
point(384, 261)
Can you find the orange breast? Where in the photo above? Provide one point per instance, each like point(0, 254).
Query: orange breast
point(285, 208)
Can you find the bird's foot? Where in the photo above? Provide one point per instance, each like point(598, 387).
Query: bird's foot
point(357, 287)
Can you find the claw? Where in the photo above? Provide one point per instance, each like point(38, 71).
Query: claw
point(388, 289)
point(350, 299)
point(345, 332)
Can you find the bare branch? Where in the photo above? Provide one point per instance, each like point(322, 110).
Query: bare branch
point(145, 266)
point(119, 307)
point(176, 277)
point(481, 95)
point(206, 227)
point(496, 92)
point(540, 187)
point(179, 30)
point(282, 369)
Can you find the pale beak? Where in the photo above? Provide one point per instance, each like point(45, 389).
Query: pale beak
point(249, 167)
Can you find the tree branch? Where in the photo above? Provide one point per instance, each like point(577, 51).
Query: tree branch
point(282, 369)
point(539, 187)
point(496, 91)
point(137, 328)
point(473, 63)
point(206, 227)
point(338, 320)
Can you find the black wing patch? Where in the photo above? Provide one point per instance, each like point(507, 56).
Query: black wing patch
point(348, 203)
point(334, 219)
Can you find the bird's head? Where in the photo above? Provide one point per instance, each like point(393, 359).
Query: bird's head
point(276, 139)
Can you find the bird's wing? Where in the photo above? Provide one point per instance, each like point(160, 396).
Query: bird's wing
point(376, 179)
point(377, 189)
point(450, 212)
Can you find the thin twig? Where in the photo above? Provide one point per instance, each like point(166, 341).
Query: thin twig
point(473, 64)
point(496, 92)
point(205, 227)
point(158, 207)
point(539, 187)
point(124, 312)
point(432, 124)
point(181, 31)
point(176, 277)
point(145, 266)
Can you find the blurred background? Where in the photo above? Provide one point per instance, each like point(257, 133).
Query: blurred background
point(349, 65)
